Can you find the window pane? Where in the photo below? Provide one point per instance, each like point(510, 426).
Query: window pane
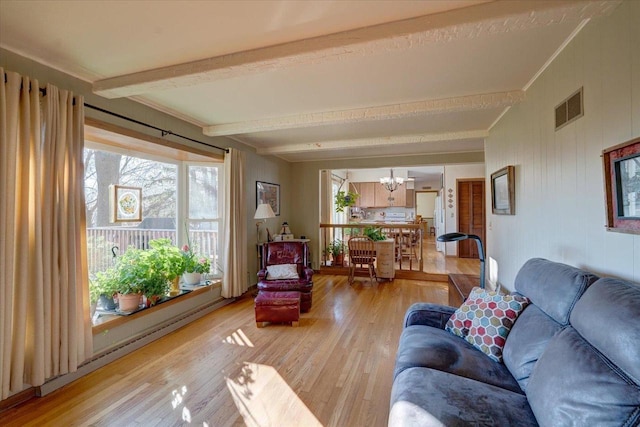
point(203, 192)
point(159, 191)
point(204, 239)
point(203, 213)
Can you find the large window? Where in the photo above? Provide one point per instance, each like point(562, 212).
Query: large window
point(181, 199)
point(204, 211)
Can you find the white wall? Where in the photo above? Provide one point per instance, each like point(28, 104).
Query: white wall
point(452, 173)
point(426, 203)
point(560, 210)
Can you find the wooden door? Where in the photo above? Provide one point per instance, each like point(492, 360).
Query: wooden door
point(470, 215)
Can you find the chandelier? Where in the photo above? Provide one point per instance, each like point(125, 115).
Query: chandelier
point(391, 183)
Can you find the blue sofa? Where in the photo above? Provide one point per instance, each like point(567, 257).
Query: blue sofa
point(571, 358)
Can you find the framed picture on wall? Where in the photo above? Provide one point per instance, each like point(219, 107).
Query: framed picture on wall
point(503, 191)
point(125, 203)
point(621, 165)
point(267, 192)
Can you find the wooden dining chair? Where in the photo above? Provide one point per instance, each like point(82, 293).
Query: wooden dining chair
point(362, 251)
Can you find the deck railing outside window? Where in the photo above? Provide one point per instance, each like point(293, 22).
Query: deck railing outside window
point(101, 243)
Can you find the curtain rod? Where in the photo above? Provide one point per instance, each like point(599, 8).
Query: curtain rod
point(164, 133)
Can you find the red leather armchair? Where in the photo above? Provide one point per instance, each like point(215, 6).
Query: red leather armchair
point(274, 253)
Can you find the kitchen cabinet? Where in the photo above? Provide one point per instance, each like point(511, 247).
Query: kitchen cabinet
point(410, 196)
point(374, 195)
point(367, 194)
point(382, 197)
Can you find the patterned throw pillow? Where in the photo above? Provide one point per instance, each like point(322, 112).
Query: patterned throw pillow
point(485, 319)
point(282, 271)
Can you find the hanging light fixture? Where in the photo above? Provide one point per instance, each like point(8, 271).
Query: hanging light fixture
point(391, 183)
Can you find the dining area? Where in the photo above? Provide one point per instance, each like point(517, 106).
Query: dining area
point(397, 248)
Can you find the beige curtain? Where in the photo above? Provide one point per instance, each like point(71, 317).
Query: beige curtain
point(45, 327)
point(235, 229)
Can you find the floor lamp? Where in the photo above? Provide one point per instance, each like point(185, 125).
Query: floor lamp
point(456, 237)
point(263, 212)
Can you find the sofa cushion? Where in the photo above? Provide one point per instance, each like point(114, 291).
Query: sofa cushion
point(613, 328)
point(527, 340)
point(574, 384)
point(485, 319)
point(552, 286)
point(434, 348)
point(428, 397)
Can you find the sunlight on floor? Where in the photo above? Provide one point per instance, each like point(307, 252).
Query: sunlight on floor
point(176, 401)
point(238, 338)
point(263, 398)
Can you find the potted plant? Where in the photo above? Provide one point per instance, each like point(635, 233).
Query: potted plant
point(374, 233)
point(194, 265)
point(344, 199)
point(336, 249)
point(156, 267)
point(130, 269)
point(103, 288)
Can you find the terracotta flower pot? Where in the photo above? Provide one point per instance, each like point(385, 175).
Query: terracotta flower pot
point(338, 260)
point(129, 302)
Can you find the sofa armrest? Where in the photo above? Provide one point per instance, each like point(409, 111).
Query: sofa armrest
point(308, 273)
point(433, 315)
point(262, 274)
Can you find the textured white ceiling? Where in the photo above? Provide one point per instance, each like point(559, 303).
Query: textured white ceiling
point(302, 79)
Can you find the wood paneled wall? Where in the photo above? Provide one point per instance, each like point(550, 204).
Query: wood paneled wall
point(560, 211)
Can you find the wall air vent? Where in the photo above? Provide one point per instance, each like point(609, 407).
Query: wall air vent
point(570, 109)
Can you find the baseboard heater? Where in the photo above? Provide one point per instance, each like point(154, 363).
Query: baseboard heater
point(111, 355)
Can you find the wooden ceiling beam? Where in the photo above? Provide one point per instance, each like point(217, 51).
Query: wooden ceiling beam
point(467, 23)
point(385, 112)
point(365, 143)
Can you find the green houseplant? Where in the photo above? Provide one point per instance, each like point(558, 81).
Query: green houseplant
point(336, 249)
point(195, 265)
point(149, 272)
point(345, 199)
point(374, 233)
point(103, 287)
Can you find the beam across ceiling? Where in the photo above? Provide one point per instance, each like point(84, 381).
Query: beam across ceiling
point(472, 22)
point(385, 112)
point(371, 142)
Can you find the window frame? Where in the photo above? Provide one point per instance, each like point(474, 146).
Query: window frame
point(169, 153)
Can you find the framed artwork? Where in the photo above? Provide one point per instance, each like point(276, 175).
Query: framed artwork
point(622, 186)
point(267, 192)
point(503, 191)
point(125, 204)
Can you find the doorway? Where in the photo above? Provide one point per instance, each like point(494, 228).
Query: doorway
point(471, 215)
point(425, 207)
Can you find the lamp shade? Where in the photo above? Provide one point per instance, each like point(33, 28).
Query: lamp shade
point(264, 211)
point(391, 183)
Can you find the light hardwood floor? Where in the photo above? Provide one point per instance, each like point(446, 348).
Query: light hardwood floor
point(335, 369)
point(436, 262)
